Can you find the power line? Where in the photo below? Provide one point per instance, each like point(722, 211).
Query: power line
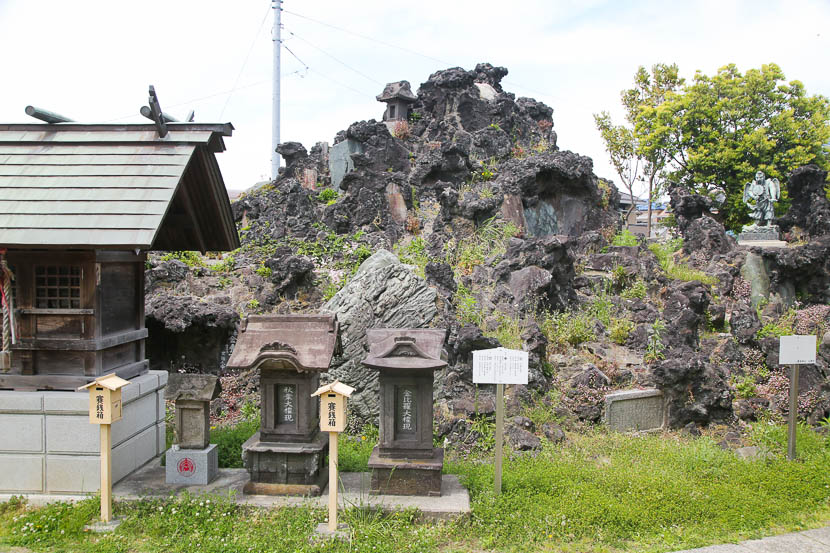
point(344, 64)
point(245, 62)
point(408, 50)
point(366, 37)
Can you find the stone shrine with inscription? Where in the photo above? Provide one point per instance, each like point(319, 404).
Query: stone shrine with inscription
point(285, 457)
point(635, 410)
point(405, 461)
point(193, 459)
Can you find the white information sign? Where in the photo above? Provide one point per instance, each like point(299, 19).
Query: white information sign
point(797, 350)
point(500, 366)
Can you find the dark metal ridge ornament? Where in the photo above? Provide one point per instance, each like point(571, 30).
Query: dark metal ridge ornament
point(156, 114)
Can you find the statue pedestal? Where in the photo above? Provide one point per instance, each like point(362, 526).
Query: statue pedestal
point(753, 235)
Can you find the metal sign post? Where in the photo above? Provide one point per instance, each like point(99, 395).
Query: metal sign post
point(795, 351)
point(499, 366)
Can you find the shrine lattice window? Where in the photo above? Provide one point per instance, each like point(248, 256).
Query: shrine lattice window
point(58, 286)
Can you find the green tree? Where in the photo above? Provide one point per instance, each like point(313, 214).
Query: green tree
point(622, 149)
point(719, 130)
point(639, 151)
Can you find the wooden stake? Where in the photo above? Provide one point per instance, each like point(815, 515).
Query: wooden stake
point(793, 412)
point(106, 473)
point(332, 481)
point(499, 434)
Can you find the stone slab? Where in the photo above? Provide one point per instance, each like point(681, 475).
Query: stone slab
point(149, 481)
point(763, 243)
point(15, 402)
point(406, 476)
point(192, 466)
point(101, 527)
point(58, 450)
point(21, 433)
point(73, 474)
point(21, 473)
point(340, 533)
point(635, 410)
point(821, 535)
point(73, 434)
point(788, 543)
point(727, 548)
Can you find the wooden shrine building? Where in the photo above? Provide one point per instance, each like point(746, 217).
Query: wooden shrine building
point(79, 206)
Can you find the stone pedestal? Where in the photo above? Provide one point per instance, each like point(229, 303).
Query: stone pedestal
point(286, 468)
point(193, 467)
point(752, 233)
point(406, 476)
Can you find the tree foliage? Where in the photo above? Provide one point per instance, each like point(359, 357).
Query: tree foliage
point(635, 150)
point(713, 133)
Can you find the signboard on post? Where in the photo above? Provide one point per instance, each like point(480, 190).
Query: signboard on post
point(333, 420)
point(500, 366)
point(795, 351)
point(105, 409)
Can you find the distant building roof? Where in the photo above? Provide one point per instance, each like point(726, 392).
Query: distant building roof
point(400, 90)
point(114, 186)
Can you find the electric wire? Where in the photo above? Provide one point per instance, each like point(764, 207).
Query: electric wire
point(344, 64)
point(408, 50)
point(245, 62)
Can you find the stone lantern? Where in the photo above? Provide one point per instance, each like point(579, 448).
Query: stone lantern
point(398, 98)
point(285, 457)
point(194, 460)
point(405, 462)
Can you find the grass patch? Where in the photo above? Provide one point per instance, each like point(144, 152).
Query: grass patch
point(597, 492)
point(625, 238)
point(674, 269)
point(353, 450)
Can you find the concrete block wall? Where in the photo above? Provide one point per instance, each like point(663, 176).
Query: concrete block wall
point(47, 444)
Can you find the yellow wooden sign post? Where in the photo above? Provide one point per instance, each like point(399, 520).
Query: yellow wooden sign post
point(105, 409)
point(333, 420)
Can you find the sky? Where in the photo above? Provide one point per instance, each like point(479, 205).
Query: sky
point(92, 60)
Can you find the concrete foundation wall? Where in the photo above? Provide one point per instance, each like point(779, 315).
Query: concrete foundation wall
point(47, 444)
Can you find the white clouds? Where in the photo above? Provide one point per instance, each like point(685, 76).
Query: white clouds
point(93, 59)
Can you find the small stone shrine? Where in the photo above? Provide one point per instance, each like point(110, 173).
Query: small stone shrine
point(398, 98)
point(193, 459)
point(760, 196)
point(405, 461)
point(286, 456)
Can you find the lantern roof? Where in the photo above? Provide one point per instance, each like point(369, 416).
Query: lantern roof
point(405, 348)
point(301, 342)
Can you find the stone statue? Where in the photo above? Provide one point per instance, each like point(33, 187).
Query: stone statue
point(760, 195)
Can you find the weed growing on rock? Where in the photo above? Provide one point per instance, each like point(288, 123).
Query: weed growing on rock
point(625, 238)
point(636, 290)
point(655, 347)
point(191, 259)
point(666, 256)
point(620, 330)
point(567, 329)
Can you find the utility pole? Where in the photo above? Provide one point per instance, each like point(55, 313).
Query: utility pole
point(276, 5)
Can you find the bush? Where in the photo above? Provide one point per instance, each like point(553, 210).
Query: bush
point(665, 254)
point(354, 449)
point(230, 440)
point(637, 290)
point(625, 238)
point(191, 259)
point(620, 330)
point(568, 329)
point(327, 196)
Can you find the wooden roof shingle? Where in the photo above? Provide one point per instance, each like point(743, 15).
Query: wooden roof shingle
point(72, 185)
